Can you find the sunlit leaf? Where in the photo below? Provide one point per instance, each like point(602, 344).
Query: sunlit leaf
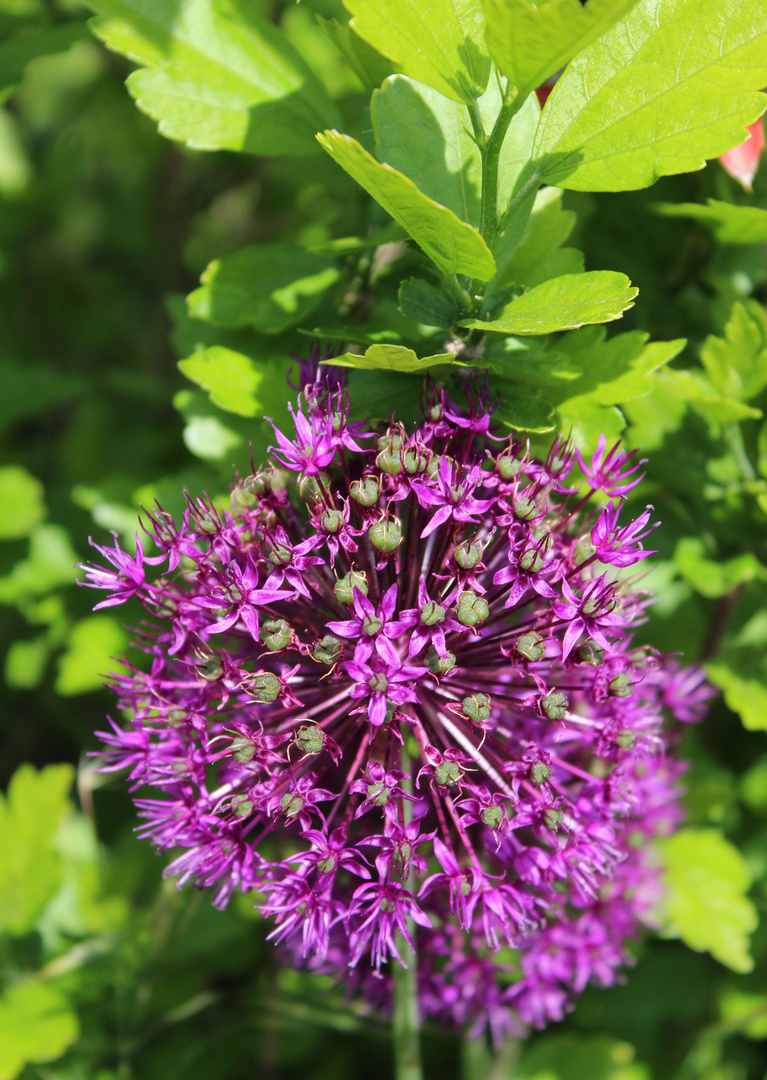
point(37, 1024)
point(391, 358)
point(21, 502)
point(92, 650)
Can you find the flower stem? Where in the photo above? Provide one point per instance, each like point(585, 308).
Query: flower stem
point(406, 1020)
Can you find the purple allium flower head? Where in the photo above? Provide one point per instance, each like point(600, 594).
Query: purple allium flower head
point(394, 692)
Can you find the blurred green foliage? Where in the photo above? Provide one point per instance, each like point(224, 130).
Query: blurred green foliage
point(106, 972)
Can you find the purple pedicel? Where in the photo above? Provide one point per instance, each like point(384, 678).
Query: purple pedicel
point(394, 690)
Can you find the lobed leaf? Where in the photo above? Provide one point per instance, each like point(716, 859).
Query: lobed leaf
point(452, 244)
point(441, 44)
point(530, 40)
point(673, 84)
point(21, 502)
point(37, 1024)
point(563, 303)
point(390, 358)
point(730, 224)
point(216, 74)
point(745, 696)
point(737, 363)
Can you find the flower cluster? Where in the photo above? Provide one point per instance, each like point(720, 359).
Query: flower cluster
point(393, 690)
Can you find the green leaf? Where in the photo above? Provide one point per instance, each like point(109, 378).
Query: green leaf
point(17, 51)
point(452, 244)
point(30, 871)
point(520, 407)
point(564, 303)
point(442, 45)
point(37, 1025)
point(31, 389)
point(93, 646)
point(665, 89)
point(390, 358)
point(716, 409)
point(366, 62)
point(746, 697)
point(744, 1011)
point(557, 1056)
point(538, 255)
point(706, 905)
point(737, 363)
point(424, 302)
point(50, 564)
point(268, 286)
point(21, 502)
point(730, 224)
point(231, 378)
point(427, 137)
point(530, 40)
point(714, 579)
point(25, 663)
point(216, 74)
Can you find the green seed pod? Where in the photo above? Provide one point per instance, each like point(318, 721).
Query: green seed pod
point(555, 704)
point(492, 816)
point(176, 717)
point(209, 669)
point(242, 498)
point(508, 466)
point(379, 794)
point(626, 739)
point(243, 749)
point(279, 554)
point(392, 440)
point(584, 549)
point(344, 587)
point(390, 462)
point(386, 536)
point(266, 687)
point(291, 804)
point(472, 609)
point(415, 461)
point(310, 487)
point(439, 665)
point(432, 613)
point(242, 806)
point(553, 817)
point(525, 509)
point(327, 650)
point(275, 634)
point(310, 739)
point(467, 554)
point(589, 654)
point(531, 561)
point(448, 774)
point(331, 521)
point(540, 773)
point(365, 492)
point(371, 624)
point(476, 707)
point(620, 686)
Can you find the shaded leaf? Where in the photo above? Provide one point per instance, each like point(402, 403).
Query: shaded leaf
point(452, 244)
point(50, 564)
point(557, 1056)
point(21, 502)
point(705, 905)
point(366, 62)
point(745, 696)
point(672, 85)
point(37, 1024)
point(730, 224)
point(716, 409)
point(216, 74)
point(17, 51)
point(268, 286)
point(424, 302)
point(520, 407)
point(711, 578)
point(442, 45)
point(537, 255)
point(564, 303)
point(530, 41)
point(92, 648)
point(231, 378)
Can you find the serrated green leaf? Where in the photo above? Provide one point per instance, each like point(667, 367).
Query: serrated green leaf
point(37, 1024)
point(672, 85)
point(746, 697)
point(424, 302)
point(564, 303)
point(730, 224)
point(528, 361)
point(737, 363)
point(586, 419)
point(17, 51)
point(216, 74)
point(92, 650)
point(711, 578)
point(390, 358)
point(705, 905)
point(427, 137)
point(21, 502)
point(231, 378)
point(376, 395)
point(530, 40)
point(267, 286)
point(30, 870)
point(520, 407)
point(366, 62)
point(442, 45)
point(452, 244)
point(655, 415)
point(716, 409)
point(537, 255)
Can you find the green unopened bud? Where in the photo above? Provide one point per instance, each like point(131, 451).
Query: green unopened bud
point(584, 549)
point(590, 606)
point(366, 491)
point(531, 561)
point(176, 717)
point(266, 687)
point(207, 523)
point(327, 650)
point(291, 804)
point(472, 609)
point(553, 817)
point(331, 521)
point(378, 794)
point(432, 613)
point(467, 554)
point(508, 466)
point(243, 749)
point(439, 665)
point(525, 509)
point(309, 486)
point(530, 646)
point(476, 707)
point(386, 536)
point(344, 587)
point(433, 467)
point(257, 484)
point(210, 669)
point(242, 806)
point(436, 412)
point(279, 554)
point(275, 634)
point(242, 498)
point(392, 440)
point(626, 739)
point(540, 773)
point(555, 704)
point(371, 624)
point(390, 462)
point(492, 816)
point(415, 461)
point(448, 774)
point(620, 686)
point(589, 654)
point(310, 739)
